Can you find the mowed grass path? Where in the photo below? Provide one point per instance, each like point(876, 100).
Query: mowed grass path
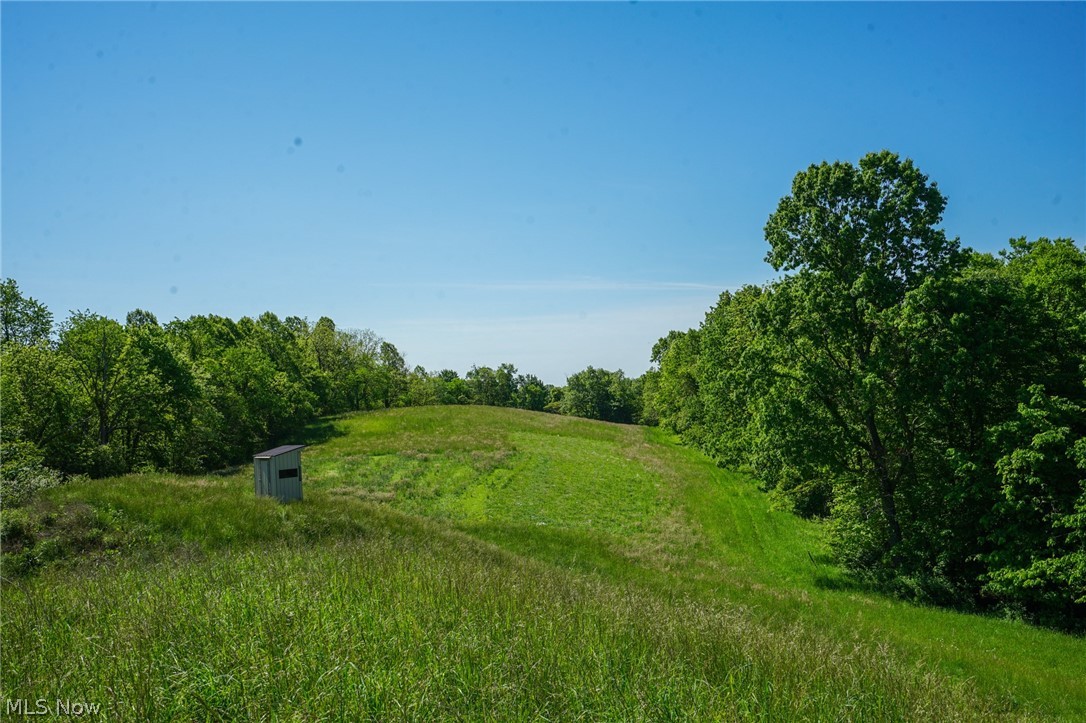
point(631, 502)
point(482, 563)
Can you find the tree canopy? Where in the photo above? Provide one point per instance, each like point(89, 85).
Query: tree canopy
point(926, 399)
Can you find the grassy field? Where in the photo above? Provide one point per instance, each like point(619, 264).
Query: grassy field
point(481, 563)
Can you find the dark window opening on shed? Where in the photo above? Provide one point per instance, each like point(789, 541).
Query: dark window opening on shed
point(284, 473)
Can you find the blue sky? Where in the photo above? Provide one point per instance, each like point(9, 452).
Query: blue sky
point(552, 185)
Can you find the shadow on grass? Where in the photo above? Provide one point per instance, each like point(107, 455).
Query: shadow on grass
point(320, 432)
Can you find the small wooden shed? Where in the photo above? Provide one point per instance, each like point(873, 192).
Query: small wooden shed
point(278, 472)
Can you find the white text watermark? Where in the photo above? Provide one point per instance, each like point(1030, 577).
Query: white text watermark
point(54, 707)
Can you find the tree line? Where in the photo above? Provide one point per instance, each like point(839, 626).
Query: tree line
point(927, 400)
point(95, 396)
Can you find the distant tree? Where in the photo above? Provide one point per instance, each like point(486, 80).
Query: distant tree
point(493, 387)
point(164, 399)
point(335, 361)
point(555, 398)
point(452, 389)
point(650, 413)
point(734, 379)
point(531, 393)
point(23, 320)
point(363, 383)
point(600, 394)
point(138, 318)
point(298, 325)
point(676, 400)
point(506, 379)
point(393, 377)
point(102, 364)
point(422, 389)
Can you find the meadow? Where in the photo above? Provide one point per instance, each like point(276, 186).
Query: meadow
point(485, 563)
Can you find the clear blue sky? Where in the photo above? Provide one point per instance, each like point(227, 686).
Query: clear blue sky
point(553, 185)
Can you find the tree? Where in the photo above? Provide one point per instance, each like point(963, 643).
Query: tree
point(678, 400)
point(99, 349)
point(859, 238)
point(493, 387)
point(601, 394)
point(1037, 542)
point(159, 414)
point(22, 319)
point(42, 403)
point(334, 363)
point(422, 388)
point(531, 393)
point(393, 379)
point(451, 388)
point(139, 318)
point(363, 380)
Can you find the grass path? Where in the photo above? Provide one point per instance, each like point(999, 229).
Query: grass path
point(656, 507)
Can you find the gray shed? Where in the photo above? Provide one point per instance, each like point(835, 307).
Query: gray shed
point(278, 472)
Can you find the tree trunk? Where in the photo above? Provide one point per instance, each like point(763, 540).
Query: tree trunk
point(104, 432)
point(886, 483)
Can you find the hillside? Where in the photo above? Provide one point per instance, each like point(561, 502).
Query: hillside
point(484, 563)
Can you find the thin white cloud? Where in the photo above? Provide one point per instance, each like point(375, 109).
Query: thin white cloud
point(551, 285)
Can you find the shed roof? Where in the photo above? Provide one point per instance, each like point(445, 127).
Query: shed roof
point(277, 451)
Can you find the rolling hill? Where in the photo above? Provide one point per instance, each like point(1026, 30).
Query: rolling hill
point(484, 563)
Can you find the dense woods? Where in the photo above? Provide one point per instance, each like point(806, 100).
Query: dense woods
point(926, 399)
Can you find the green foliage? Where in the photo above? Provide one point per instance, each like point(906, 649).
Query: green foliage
point(23, 320)
point(531, 393)
point(43, 406)
point(451, 389)
point(860, 238)
point(22, 474)
point(392, 376)
point(676, 399)
point(1038, 529)
point(601, 394)
point(493, 387)
point(927, 400)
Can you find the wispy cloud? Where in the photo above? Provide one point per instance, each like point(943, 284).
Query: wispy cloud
point(565, 285)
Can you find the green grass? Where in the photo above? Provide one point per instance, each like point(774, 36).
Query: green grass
point(484, 563)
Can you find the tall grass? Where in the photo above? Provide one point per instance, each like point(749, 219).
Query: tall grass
point(426, 626)
point(485, 564)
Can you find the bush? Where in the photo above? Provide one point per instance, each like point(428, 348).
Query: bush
point(22, 474)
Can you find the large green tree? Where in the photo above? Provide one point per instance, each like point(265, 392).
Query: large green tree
point(858, 239)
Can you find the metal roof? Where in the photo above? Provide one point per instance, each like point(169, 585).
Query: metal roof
point(277, 451)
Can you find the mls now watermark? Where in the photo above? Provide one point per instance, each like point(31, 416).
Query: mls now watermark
point(55, 707)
